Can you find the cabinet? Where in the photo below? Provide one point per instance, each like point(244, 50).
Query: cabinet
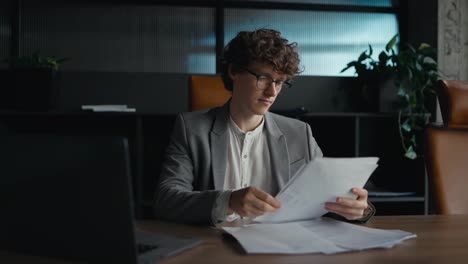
point(338, 134)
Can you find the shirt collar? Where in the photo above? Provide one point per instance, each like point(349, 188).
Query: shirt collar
point(257, 131)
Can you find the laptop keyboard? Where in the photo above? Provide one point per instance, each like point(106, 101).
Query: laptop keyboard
point(142, 248)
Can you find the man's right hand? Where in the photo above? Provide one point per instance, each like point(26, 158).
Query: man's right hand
point(252, 202)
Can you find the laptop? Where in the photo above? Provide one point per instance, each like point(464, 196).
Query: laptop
point(70, 197)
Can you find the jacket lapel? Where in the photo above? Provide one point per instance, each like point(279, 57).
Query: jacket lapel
point(218, 144)
point(279, 157)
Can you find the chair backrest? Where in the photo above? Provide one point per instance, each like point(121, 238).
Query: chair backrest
point(447, 150)
point(447, 158)
point(207, 92)
point(453, 98)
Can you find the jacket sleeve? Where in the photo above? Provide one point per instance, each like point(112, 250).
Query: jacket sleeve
point(314, 149)
point(368, 214)
point(175, 199)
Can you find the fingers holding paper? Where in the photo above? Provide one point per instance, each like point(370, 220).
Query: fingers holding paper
point(252, 201)
point(350, 209)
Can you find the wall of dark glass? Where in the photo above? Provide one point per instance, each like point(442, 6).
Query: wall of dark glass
point(121, 37)
point(375, 3)
point(127, 37)
point(327, 40)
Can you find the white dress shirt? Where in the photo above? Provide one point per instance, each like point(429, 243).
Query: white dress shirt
point(248, 164)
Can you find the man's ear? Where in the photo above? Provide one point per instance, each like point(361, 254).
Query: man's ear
point(232, 74)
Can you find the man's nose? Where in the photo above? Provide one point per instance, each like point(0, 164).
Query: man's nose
point(272, 89)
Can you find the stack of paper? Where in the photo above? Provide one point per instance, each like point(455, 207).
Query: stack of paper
point(303, 198)
point(107, 108)
point(320, 235)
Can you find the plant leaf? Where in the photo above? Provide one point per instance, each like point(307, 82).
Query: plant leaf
point(391, 43)
point(402, 92)
point(410, 153)
point(370, 50)
point(429, 60)
point(363, 56)
point(406, 125)
point(383, 58)
point(351, 64)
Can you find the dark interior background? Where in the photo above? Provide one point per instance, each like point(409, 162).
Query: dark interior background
point(334, 103)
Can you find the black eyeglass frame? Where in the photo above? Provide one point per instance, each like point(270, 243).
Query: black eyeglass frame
point(285, 84)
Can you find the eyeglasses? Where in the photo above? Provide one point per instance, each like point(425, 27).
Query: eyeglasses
point(263, 82)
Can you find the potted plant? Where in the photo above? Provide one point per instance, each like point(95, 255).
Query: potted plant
point(29, 83)
point(373, 74)
point(414, 72)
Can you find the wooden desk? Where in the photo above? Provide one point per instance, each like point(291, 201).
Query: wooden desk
point(441, 239)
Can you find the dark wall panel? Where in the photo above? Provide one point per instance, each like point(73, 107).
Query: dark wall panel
point(320, 94)
point(147, 92)
point(5, 29)
point(168, 93)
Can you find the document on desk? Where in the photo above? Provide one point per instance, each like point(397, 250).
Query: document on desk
point(321, 180)
point(320, 235)
point(297, 227)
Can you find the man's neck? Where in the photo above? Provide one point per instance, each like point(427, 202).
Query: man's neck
point(245, 122)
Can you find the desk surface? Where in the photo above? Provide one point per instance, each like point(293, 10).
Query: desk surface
point(441, 239)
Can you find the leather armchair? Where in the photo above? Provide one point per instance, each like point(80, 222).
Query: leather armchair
point(447, 150)
point(207, 92)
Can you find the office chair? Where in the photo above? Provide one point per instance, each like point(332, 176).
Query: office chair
point(207, 92)
point(447, 150)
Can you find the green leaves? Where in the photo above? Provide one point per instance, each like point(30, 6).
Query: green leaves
point(410, 153)
point(35, 61)
point(391, 43)
point(350, 64)
point(383, 58)
point(415, 72)
point(420, 73)
point(367, 68)
point(363, 56)
point(406, 125)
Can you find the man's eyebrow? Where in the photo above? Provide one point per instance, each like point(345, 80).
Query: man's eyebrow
point(282, 78)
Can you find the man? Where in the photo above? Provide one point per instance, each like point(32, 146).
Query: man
point(232, 160)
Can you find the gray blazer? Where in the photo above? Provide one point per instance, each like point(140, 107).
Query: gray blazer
point(195, 164)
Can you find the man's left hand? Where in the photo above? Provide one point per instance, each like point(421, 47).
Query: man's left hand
point(350, 209)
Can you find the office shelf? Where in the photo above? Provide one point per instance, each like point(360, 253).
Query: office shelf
point(397, 199)
point(374, 134)
point(338, 134)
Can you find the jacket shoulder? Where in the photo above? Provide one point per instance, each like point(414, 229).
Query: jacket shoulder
point(198, 120)
point(283, 121)
point(199, 114)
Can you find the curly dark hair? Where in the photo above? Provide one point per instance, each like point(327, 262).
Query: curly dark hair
point(262, 46)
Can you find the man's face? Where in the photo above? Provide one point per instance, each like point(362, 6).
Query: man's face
point(254, 97)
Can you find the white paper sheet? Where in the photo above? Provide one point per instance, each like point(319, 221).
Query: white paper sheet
point(355, 237)
point(326, 236)
point(320, 181)
point(285, 238)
